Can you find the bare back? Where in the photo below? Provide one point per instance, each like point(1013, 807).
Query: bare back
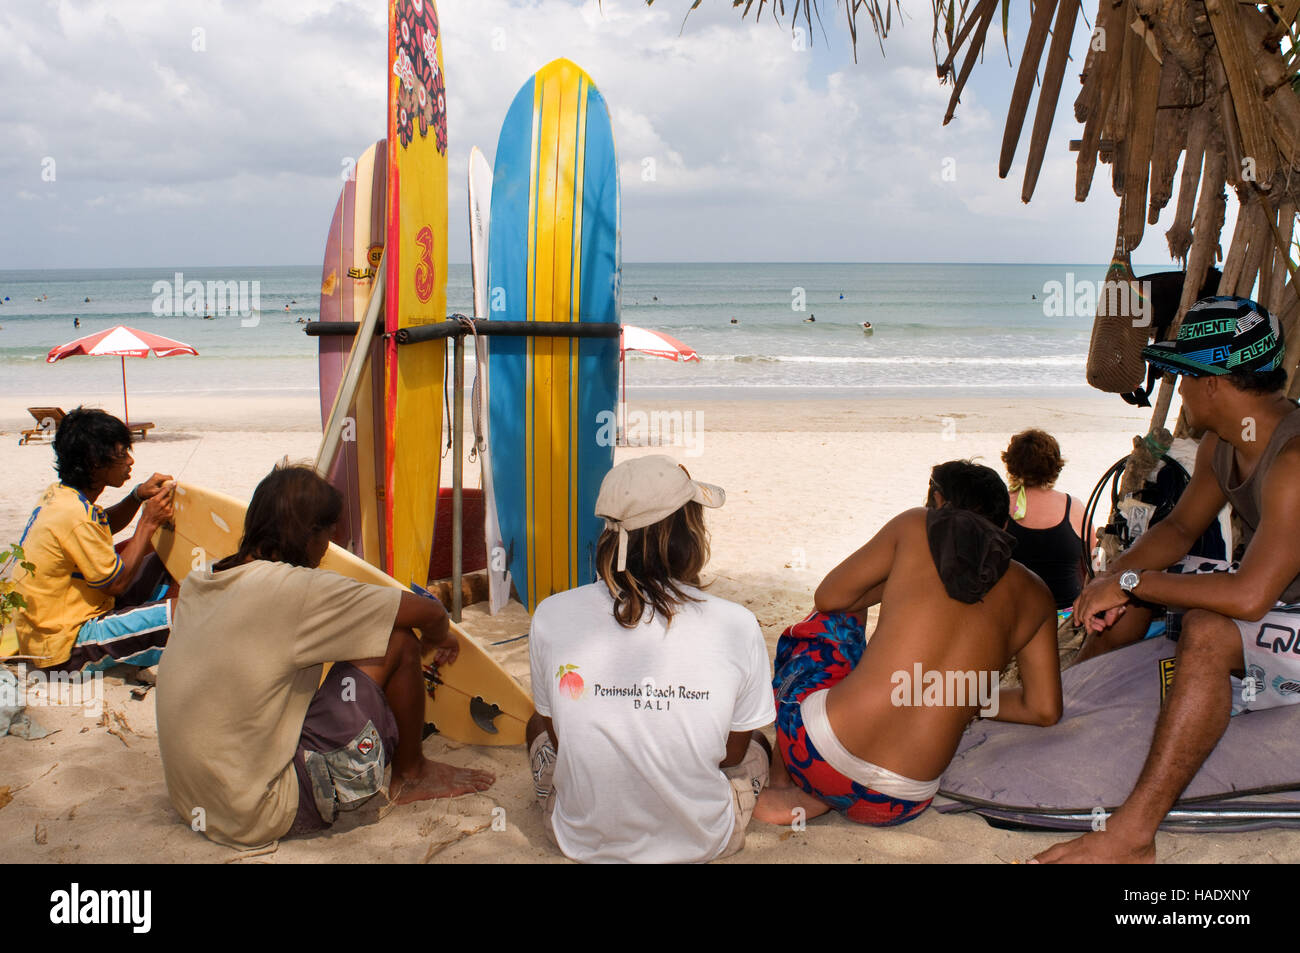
point(879, 712)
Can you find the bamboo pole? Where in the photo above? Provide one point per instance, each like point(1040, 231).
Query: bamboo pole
point(1281, 254)
point(984, 13)
point(1035, 40)
point(1179, 235)
point(1210, 210)
point(1057, 56)
point(1141, 142)
point(1235, 261)
point(1171, 131)
point(1247, 101)
point(1110, 20)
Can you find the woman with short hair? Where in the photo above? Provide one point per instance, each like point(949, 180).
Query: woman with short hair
point(1047, 524)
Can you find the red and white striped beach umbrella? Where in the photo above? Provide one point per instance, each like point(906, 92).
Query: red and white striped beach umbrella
point(656, 344)
point(121, 342)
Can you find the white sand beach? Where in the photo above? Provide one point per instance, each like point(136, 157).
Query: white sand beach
point(807, 482)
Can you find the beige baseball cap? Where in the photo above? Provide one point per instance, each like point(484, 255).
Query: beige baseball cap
point(642, 491)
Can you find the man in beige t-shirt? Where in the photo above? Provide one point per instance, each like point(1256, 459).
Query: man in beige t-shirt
point(253, 745)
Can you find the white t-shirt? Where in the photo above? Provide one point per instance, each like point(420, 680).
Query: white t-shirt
point(642, 717)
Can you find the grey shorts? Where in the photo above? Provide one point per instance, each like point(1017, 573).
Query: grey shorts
point(747, 780)
point(348, 739)
point(1270, 648)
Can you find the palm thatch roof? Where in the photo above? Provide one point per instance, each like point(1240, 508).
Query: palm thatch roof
point(1213, 82)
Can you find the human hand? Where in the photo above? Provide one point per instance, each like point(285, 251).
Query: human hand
point(1100, 603)
point(153, 486)
point(158, 507)
point(445, 651)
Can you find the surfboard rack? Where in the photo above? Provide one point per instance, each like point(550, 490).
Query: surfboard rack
point(456, 327)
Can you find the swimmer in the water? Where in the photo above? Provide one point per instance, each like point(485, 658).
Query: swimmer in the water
point(734, 321)
point(811, 319)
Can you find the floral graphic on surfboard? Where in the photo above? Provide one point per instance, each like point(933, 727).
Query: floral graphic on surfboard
point(421, 98)
point(570, 681)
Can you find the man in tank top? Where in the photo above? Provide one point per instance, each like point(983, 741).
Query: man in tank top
point(1229, 353)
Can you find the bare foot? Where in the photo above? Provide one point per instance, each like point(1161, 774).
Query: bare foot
point(1099, 847)
point(780, 804)
point(433, 779)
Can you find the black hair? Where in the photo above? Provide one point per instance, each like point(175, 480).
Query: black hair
point(289, 508)
point(85, 441)
point(971, 486)
point(1258, 382)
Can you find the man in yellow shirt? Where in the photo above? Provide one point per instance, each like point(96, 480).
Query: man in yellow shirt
point(88, 606)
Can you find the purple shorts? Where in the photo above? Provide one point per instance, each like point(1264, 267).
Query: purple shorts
point(348, 739)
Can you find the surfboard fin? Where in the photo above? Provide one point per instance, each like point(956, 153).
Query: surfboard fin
point(431, 679)
point(484, 714)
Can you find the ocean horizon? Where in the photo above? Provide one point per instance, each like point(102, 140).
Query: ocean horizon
point(977, 329)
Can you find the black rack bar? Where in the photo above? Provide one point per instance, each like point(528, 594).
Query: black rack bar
point(452, 327)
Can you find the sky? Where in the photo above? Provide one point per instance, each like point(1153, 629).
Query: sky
point(160, 133)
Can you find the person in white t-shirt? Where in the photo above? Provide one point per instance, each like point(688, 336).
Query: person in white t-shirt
point(648, 690)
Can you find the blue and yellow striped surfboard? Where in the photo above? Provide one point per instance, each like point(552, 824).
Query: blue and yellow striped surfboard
point(553, 255)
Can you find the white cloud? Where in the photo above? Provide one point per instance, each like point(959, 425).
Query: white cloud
point(761, 150)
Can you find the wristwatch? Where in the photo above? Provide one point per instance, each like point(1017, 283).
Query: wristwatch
point(1128, 580)
point(135, 494)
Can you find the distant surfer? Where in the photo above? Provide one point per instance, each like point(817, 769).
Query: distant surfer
point(841, 295)
point(87, 299)
point(811, 319)
point(260, 625)
point(286, 309)
point(849, 736)
point(76, 322)
point(734, 321)
point(866, 327)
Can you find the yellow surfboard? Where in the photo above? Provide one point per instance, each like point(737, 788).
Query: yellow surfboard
point(416, 291)
point(473, 700)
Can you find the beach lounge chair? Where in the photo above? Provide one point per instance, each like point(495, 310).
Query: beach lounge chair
point(47, 421)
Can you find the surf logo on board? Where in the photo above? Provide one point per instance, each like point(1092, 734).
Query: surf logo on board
point(375, 255)
point(421, 95)
point(1167, 666)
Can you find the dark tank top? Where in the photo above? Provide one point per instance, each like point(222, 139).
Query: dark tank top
point(1053, 555)
point(1246, 497)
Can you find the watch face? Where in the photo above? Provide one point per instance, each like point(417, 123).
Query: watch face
point(1128, 580)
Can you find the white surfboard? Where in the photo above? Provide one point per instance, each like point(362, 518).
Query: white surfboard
point(480, 201)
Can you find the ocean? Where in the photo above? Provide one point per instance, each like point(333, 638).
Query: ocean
point(955, 329)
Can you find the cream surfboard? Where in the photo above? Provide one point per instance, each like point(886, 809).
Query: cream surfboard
point(480, 201)
point(473, 700)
